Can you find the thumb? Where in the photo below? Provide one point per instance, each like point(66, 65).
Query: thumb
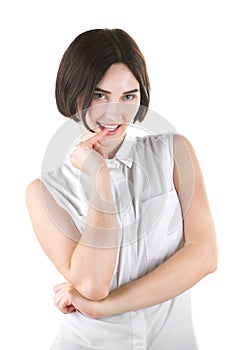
point(97, 147)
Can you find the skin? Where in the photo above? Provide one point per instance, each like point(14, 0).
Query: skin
point(88, 265)
point(115, 101)
point(87, 285)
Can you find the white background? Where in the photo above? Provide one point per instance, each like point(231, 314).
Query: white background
point(191, 57)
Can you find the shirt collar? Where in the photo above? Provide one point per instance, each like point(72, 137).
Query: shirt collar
point(125, 153)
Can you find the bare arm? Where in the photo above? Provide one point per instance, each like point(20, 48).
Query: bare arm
point(89, 264)
point(187, 266)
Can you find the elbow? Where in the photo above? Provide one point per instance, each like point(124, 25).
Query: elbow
point(95, 294)
point(213, 264)
point(211, 260)
point(93, 291)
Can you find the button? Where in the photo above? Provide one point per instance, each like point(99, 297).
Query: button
point(131, 278)
point(139, 343)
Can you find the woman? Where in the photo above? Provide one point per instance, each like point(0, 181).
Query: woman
point(125, 218)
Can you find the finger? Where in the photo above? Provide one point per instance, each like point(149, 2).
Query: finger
point(83, 144)
point(97, 147)
point(98, 136)
point(65, 304)
point(57, 298)
point(68, 309)
point(65, 308)
point(59, 286)
point(71, 309)
point(62, 301)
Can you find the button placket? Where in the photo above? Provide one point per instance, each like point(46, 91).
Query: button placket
point(122, 191)
point(139, 330)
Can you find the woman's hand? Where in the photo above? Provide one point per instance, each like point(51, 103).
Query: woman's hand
point(69, 300)
point(88, 155)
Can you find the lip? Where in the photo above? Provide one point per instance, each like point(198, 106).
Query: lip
point(110, 132)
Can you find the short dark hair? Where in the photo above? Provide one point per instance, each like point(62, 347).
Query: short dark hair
point(86, 61)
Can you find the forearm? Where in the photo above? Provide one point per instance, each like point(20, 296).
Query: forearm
point(179, 273)
point(94, 258)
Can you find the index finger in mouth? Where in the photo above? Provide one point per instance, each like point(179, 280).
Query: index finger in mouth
point(93, 139)
point(98, 135)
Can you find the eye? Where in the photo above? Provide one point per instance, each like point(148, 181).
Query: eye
point(128, 97)
point(99, 96)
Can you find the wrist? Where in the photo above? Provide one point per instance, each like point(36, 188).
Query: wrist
point(100, 190)
point(100, 309)
point(100, 174)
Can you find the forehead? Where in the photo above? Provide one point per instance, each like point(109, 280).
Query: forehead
point(118, 77)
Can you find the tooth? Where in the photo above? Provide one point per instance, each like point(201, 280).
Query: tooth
point(110, 127)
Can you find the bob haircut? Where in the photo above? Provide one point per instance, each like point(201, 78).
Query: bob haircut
point(86, 61)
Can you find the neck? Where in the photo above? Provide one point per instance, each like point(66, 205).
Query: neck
point(112, 147)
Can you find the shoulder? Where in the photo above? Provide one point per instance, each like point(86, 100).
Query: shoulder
point(182, 143)
point(33, 187)
point(184, 155)
point(35, 191)
point(188, 178)
point(33, 196)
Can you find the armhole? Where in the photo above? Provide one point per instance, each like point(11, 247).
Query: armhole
point(169, 142)
point(171, 151)
point(175, 167)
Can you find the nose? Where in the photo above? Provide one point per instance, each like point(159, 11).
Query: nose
point(112, 113)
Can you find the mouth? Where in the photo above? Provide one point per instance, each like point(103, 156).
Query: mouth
point(112, 128)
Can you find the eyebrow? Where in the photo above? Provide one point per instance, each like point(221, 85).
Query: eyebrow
point(109, 92)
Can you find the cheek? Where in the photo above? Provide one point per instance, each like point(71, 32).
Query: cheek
point(123, 127)
point(95, 113)
point(130, 112)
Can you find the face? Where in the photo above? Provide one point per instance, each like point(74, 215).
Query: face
point(115, 103)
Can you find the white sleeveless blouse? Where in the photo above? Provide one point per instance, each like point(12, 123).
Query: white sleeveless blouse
point(151, 230)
